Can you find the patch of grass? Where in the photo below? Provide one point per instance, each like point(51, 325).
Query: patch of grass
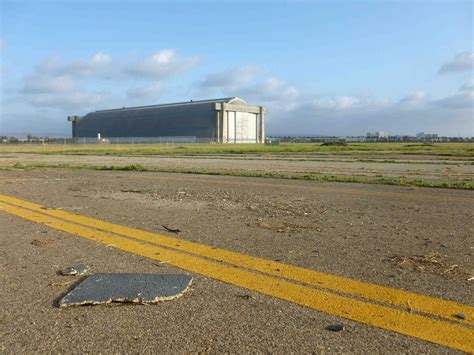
point(439, 149)
point(22, 166)
point(337, 144)
point(420, 145)
point(461, 185)
point(131, 167)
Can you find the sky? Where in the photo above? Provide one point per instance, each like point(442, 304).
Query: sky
point(319, 67)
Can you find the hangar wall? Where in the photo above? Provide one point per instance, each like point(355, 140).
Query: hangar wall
point(227, 120)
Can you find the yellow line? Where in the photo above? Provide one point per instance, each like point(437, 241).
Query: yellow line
point(409, 300)
point(444, 333)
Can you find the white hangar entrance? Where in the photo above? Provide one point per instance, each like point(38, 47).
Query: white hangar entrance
point(237, 122)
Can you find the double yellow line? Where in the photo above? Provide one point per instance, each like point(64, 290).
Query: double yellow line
point(428, 318)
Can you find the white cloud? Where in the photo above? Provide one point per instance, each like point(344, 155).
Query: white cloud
point(151, 91)
point(56, 83)
point(463, 100)
point(416, 98)
point(270, 90)
point(99, 65)
point(311, 114)
point(100, 59)
point(461, 62)
point(251, 83)
point(231, 79)
point(41, 84)
point(335, 102)
point(308, 119)
point(53, 83)
point(160, 65)
point(68, 101)
point(469, 86)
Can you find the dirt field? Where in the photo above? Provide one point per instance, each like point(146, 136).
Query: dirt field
point(446, 150)
point(420, 170)
point(408, 238)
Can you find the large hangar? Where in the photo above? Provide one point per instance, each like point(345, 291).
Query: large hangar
point(227, 120)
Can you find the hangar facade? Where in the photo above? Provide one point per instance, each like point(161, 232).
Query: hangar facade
point(226, 120)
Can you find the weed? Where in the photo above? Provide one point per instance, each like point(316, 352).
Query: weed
point(462, 185)
point(439, 149)
point(131, 167)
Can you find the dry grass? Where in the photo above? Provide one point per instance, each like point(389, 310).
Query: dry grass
point(439, 149)
point(433, 263)
point(402, 181)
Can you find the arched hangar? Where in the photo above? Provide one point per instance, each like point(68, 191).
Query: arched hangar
point(226, 120)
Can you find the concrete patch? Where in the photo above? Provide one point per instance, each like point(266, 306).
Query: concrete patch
point(133, 288)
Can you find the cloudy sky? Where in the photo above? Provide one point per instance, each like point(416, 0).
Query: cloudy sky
point(320, 67)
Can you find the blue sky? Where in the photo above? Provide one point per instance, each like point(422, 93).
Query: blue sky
point(320, 67)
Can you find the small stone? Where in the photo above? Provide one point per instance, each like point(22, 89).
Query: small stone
point(80, 269)
point(460, 315)
point(335, 327)
point(246, 297)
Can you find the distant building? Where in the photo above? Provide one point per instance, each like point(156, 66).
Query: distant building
point(377, 135)
point(426, 136)
point(227, 120)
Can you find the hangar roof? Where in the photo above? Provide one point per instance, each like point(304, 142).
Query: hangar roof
point(234, 100)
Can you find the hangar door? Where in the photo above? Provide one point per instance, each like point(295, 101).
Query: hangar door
point(242, 127)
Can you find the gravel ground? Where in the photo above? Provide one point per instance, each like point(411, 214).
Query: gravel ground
point(410, 238)
point(434, 169)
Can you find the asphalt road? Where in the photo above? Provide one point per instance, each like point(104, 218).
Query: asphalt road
point(411, 239)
